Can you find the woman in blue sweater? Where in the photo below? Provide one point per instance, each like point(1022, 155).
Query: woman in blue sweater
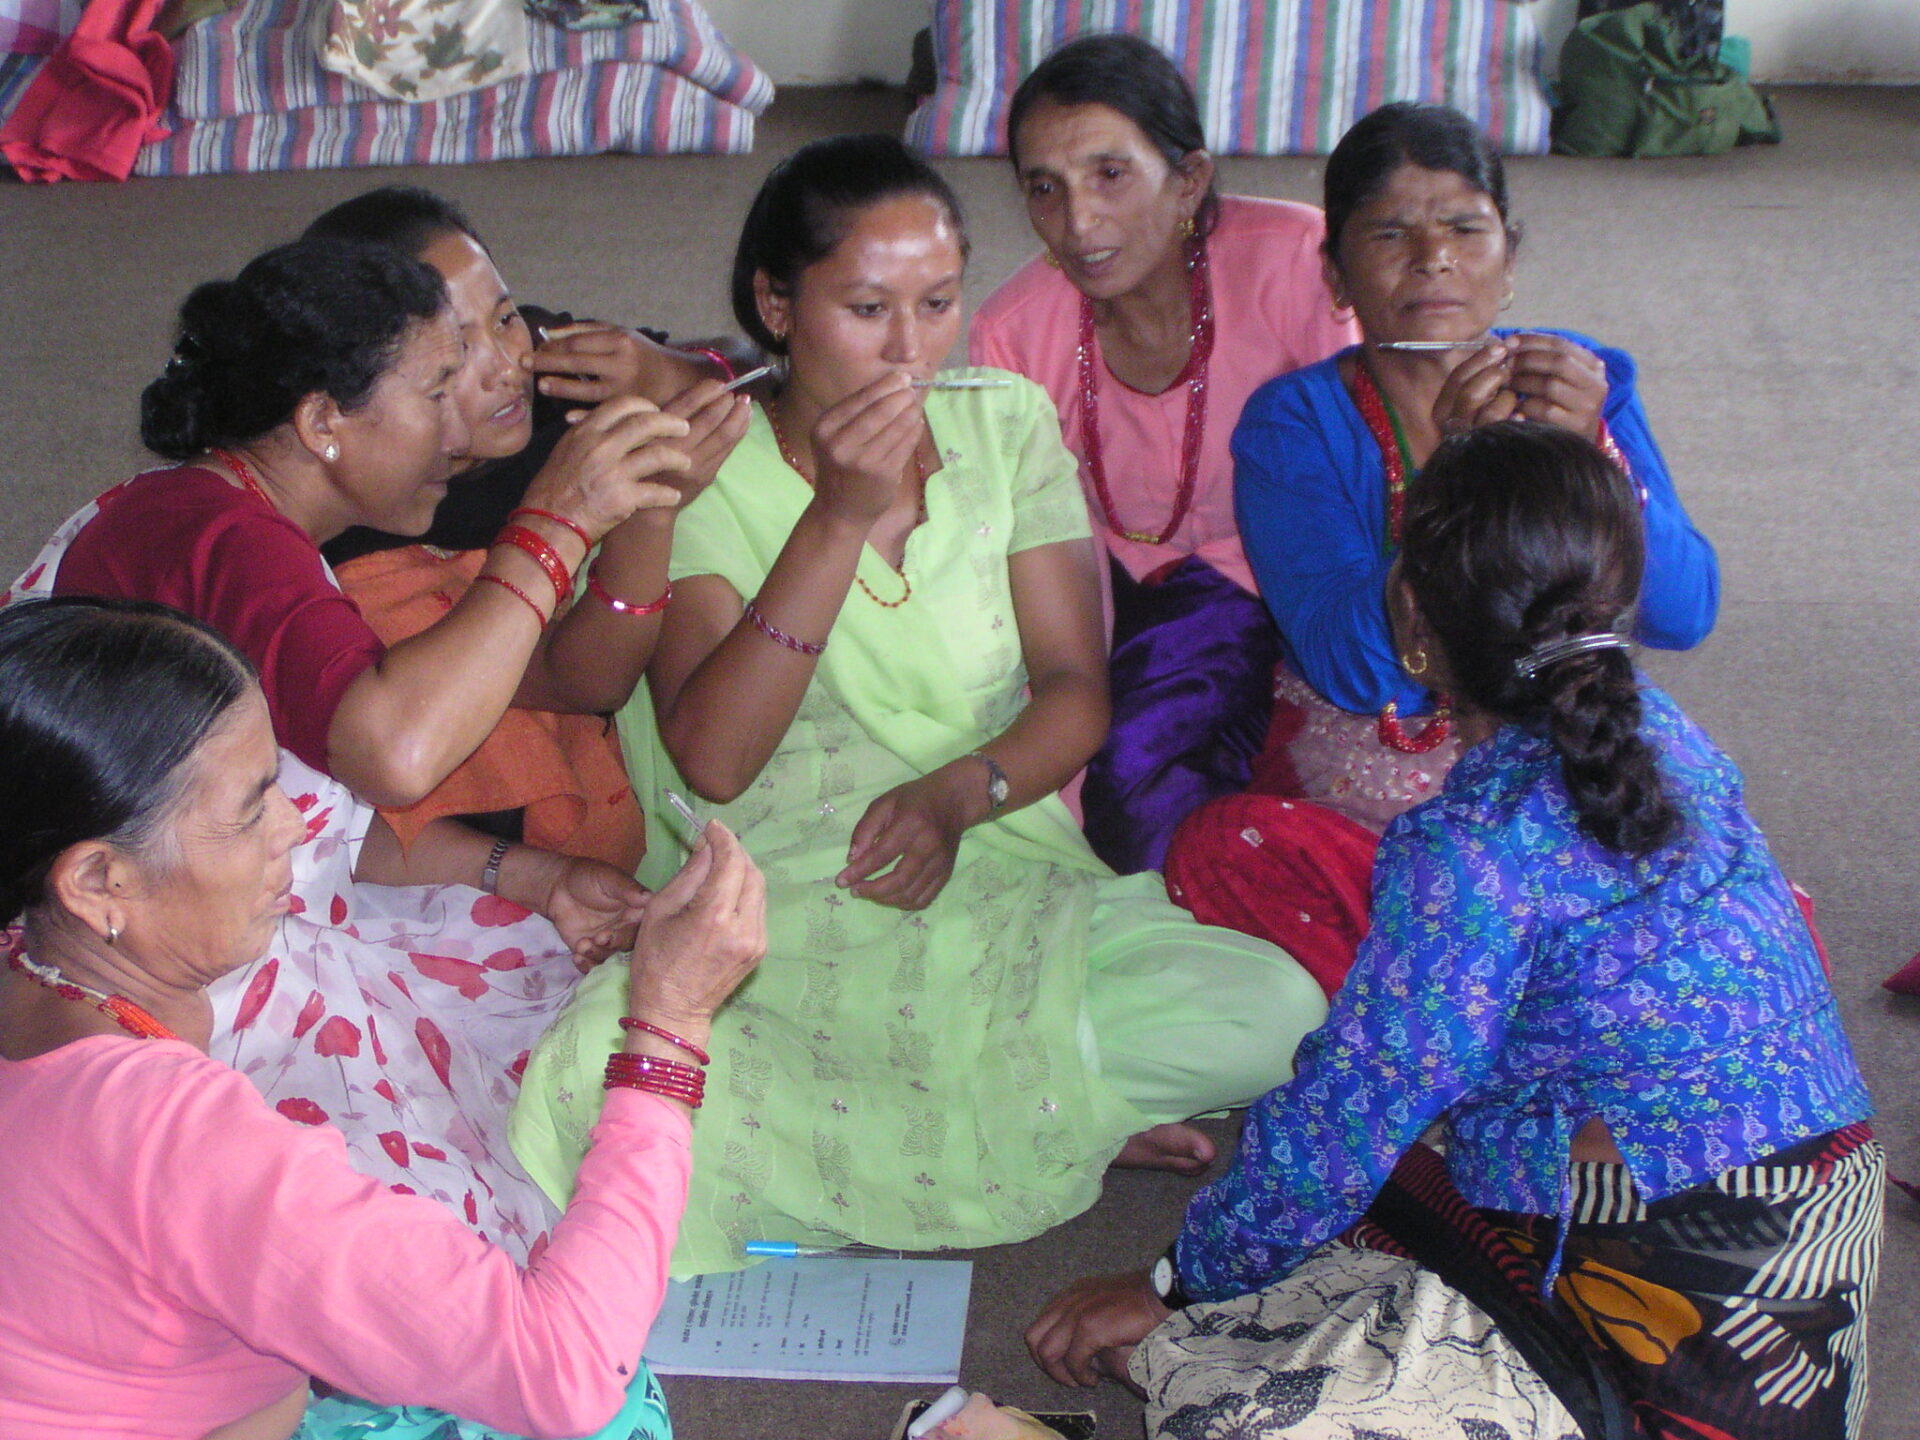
point(1420, 246)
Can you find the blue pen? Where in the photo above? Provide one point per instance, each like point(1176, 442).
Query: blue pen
point(789, 1250)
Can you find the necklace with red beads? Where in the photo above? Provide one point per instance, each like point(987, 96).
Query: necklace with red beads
point(1193, 375)
point(920, 476)
point(130, 1017)
point(1397, 457)
point(247, 478)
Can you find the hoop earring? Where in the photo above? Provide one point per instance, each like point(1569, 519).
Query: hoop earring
point(113, 935)
point(1415, 670)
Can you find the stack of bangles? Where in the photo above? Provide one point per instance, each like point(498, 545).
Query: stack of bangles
point(675, 1079)
point(537, 547)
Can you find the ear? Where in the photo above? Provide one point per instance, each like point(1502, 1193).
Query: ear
point(316, 421)
point(90, 881)
point(776, 310)
point(1196, 175)
point(1336, 286)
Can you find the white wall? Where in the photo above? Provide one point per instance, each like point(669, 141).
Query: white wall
point(832, 42)
point(1801, 41)
point(827, 42)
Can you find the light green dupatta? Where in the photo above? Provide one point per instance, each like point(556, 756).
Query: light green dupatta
point(912, 1080)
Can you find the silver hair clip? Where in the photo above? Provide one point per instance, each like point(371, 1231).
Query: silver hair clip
point(1554, 651)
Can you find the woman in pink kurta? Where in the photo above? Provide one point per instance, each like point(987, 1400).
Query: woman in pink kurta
point(1158, 307)
point(181, 1257)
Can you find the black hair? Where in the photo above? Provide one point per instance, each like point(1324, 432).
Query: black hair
point(403, 217)
point(315, 316)
point(1518, 534)
point(1132, 77)
point(101, 704)
point(1407, 132)
point(805, 208)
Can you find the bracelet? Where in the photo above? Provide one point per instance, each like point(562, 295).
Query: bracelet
point(1611, 449)
point(726, 366)
point(671, 1078)
point(525, 599)
point(647, 1027)
point(621, 607)
point(490, 872)
point(780, 637)
point(557, 519)
point(544, 555)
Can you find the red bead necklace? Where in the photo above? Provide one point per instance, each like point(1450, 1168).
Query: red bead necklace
point(247, 478)
point(1193, 375)
point(1395, 455)
point(920, 475)
point(123, 1012)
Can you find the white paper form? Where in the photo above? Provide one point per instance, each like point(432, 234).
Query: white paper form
point(827, 1318)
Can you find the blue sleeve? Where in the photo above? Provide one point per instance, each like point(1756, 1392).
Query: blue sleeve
point(1310, 496)
point(1680, 596)
point(1419, 1023)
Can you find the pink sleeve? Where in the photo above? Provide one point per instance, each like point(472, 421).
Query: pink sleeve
point(263, 1226)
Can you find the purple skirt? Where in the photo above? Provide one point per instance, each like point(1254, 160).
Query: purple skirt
point(1192, 680)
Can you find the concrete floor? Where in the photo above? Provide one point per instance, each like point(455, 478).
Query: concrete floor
point(1771, 296)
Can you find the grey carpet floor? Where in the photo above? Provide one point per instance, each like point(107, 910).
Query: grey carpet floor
point(1772, 297)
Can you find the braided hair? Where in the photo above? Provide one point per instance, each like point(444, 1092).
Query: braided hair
point(1518, 535)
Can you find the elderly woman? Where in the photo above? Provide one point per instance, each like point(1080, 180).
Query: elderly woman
point(551, 776)
point(1585, 964)
point(1157, 308)
point(884, 658)
point(1420, 246)
point(182, 1258)
point(314, 392)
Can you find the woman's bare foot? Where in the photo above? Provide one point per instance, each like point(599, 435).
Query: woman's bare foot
point(1179, 1148)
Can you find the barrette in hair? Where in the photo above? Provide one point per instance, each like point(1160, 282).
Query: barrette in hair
point(186, 350)
point(1554, 651)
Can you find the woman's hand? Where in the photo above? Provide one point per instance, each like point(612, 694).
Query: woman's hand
point(1089, 1329)
point(1478, 392)
point(915, 828)
point(602, 470)
point(700, 937)
point(1558, 383)
point(716, 419)
point(592, 361)
point(596, 908)
point(861, 448)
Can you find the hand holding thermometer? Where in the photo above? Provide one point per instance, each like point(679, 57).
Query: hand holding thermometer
point(942, 1410)
point(748, 378)
point(695, 825)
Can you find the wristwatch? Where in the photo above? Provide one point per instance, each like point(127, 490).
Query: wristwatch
point(1165, 1279)
point(997, 786)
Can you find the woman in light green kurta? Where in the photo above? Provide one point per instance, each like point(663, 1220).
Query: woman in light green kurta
point(923, 1059)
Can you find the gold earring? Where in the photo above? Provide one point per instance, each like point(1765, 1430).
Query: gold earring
point(1412, 669)
point(1187, 228)
point(1052, 259)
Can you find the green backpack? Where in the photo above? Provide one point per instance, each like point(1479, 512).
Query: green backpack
point(1627, 89)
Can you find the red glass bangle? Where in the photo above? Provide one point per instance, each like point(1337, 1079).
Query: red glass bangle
point(647, 1027)
point(585, 539)
point(521, 595)
point(672, 1078)
point(534, 544)
point(726, 366)
point(621, 607)
point(780, 637)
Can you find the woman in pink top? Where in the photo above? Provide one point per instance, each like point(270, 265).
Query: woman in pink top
point(182, 1259)
point(1158, 307)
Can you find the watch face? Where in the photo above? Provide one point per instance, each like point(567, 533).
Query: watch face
point(1162, 1277)
point(997, 789)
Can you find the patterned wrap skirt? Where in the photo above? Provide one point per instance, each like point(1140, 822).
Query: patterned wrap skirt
point(1733, 1311)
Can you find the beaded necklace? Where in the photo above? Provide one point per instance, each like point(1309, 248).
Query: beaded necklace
point(920, 476)
point(247, 477)
point(1397, 457)
point(1193, 375)
point(122, 1011)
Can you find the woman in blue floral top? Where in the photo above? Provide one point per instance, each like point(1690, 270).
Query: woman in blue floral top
point(1656, 1201)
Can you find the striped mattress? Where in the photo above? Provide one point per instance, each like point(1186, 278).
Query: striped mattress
point(249, 94)
point(1273, 77)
